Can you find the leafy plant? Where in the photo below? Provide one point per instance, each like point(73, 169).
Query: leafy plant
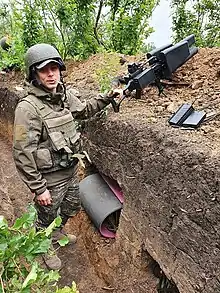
point(77, 28)
point(14, 57)
point(107, 69)
point(68, 289)
point(199, 17)
point(20, 248)
point(128, 24)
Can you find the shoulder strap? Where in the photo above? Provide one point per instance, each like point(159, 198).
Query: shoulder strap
point(40, 107)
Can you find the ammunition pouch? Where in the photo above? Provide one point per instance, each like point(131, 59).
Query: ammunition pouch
point(68, 161)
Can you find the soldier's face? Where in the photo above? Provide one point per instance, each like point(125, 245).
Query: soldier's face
point(49, 76)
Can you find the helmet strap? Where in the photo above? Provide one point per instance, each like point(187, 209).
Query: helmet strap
point(64, 86)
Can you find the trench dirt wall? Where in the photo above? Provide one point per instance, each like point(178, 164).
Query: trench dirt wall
point(171, 210)
point(8, 101)
point(171, 189)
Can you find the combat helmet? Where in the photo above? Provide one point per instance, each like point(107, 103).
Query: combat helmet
point(38, 54)
point(4, 43)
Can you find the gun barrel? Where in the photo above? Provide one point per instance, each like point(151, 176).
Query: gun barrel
point(144, 78)
point(156, 53)
point(140, 81)
point(174, 57)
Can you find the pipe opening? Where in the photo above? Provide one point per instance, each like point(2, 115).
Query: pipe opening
point(111, 222)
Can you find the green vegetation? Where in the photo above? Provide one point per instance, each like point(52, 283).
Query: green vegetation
point(106, 70)
point(199, 17)
point(78, 28)
point(20, 248)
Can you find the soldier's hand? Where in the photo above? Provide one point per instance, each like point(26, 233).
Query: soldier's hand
point(115, 93)
point(44, 198)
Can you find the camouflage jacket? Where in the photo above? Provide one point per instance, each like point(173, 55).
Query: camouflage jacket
point(45, 135)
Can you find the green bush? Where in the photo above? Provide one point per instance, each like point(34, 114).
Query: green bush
point(107, 69)
point(20, 248)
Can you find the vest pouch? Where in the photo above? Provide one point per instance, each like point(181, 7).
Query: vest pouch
point(76, 143)
point(43, 159)
point(58, 140)
point(67, 159)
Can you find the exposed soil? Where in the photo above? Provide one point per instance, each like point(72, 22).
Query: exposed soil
point(201, 79)
point(14, 196)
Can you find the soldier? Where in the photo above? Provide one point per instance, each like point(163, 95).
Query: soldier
point(4, 43)
point(46, 137)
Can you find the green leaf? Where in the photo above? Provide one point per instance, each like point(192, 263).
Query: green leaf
point(66, 289)
point(64, 241)
point(56, 223)
point(27, 220)
point(53, 276)
point(42, 247)
point(18, 224)
point(16, 282)
point(3, 247)
point(31, 277)
point(32, 233)
point(3, 222)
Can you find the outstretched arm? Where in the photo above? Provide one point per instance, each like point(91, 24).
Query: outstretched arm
point(86, 109)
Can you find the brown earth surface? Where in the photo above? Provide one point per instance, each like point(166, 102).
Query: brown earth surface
point(86, 262)
point(200, 77)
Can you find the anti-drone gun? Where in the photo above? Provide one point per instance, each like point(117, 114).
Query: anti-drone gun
point(159, 65)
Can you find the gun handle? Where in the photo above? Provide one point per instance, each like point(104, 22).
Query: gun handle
point(115, 106)
point(138, 94)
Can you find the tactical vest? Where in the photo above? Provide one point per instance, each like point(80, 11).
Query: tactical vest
point(55, 153)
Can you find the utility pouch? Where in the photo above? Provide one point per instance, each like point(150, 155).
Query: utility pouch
point(67, 160)
point(58, 140)
point(43, 159)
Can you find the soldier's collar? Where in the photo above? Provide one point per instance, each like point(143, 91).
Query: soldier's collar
point(42, 93)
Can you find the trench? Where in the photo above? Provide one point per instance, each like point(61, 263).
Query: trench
point(88, 263)
point(170, 217)
point(94, 263)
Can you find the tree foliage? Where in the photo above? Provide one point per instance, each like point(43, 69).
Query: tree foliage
point(200, 17)
point(129, 24)
point(78, 28)
point(125, 25)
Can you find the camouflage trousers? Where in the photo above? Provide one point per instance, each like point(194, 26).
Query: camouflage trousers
point(65, 203)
